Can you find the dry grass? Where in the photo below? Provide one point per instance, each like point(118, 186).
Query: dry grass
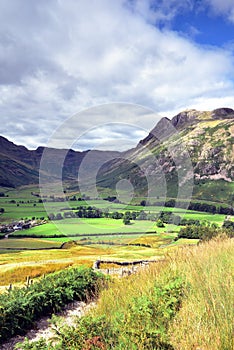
point(19, 274)
point(205, 320)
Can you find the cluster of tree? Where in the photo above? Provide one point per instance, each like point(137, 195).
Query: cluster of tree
point(164, 217)
point(74, 198)
point(203, 233)
point(169, 218)
point(53, 198)
point(211, 208)
point(112, 199)
point(196, 206)
point(86, 212)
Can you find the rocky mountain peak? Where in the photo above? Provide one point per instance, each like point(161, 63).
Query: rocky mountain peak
point(185, 117)
point(223, 113)
point(162, 130)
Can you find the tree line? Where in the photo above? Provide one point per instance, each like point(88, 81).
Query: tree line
point(196, 206)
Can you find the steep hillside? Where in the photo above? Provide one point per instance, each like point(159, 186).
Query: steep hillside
point(20, 166)
point(193, 145)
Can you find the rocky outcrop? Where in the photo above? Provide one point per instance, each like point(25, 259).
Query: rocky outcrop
point(192, 145)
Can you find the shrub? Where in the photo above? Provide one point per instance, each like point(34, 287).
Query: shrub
point(20, 307)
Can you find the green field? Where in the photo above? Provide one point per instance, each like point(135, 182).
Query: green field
point(27, 205)
point(94, 226)
point(95, 238)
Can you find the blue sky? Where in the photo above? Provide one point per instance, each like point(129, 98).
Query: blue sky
point(58, 58)
point(205, 28)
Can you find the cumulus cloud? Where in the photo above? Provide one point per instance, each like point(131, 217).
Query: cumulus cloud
point(59, 57)
point(224, 8)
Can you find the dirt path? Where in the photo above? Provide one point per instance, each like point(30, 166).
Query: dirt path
point(43, 328)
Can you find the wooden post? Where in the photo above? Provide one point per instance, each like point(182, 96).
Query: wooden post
point(27, 281)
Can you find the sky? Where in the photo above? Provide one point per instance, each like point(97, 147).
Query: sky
point(104, 61)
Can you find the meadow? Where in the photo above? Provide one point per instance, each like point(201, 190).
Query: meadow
point(21, 203)
point(36, 251)
point(16, 266)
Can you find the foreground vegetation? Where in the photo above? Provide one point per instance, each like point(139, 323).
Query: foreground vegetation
point(20, 307)
point(185, 302)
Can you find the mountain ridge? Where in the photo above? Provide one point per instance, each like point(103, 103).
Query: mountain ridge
point(207, 136)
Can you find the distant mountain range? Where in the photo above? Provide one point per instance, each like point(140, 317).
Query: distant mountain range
point(193, 145)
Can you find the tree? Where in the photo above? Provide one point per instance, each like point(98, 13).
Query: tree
point(51, 216)
point(159, 223)
point(116, 215)
point(58, 216)
point(142, 215)
point(126, 220)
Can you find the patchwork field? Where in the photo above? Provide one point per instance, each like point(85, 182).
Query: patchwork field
point(41, 249)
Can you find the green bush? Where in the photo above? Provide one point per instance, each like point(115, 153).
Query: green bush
point(143, 325)
point(20, 307)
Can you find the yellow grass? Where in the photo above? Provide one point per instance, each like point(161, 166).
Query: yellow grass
point(16, 266)
point(205, 319)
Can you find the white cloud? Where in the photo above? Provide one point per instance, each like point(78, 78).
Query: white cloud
point(59, 57)
point(221, 7)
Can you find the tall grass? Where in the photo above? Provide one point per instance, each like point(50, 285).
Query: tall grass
point(182, 303)
point(206, 319)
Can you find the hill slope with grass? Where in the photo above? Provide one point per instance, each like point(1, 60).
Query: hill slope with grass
point(205, 139)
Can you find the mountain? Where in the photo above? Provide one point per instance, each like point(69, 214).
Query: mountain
point(195, 149)
point(20, 166)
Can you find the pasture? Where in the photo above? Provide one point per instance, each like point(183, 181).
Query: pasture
point(22, 203)
point(37, 251)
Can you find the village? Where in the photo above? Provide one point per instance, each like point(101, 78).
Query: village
point(7, 229)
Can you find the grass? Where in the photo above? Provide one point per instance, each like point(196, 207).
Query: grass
point(218, 191)
point(27, 243)
point(183, 302)
point(204, 319)
point(17, 265)
point(85, 226)
point(32, 208)
point(89, 226)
